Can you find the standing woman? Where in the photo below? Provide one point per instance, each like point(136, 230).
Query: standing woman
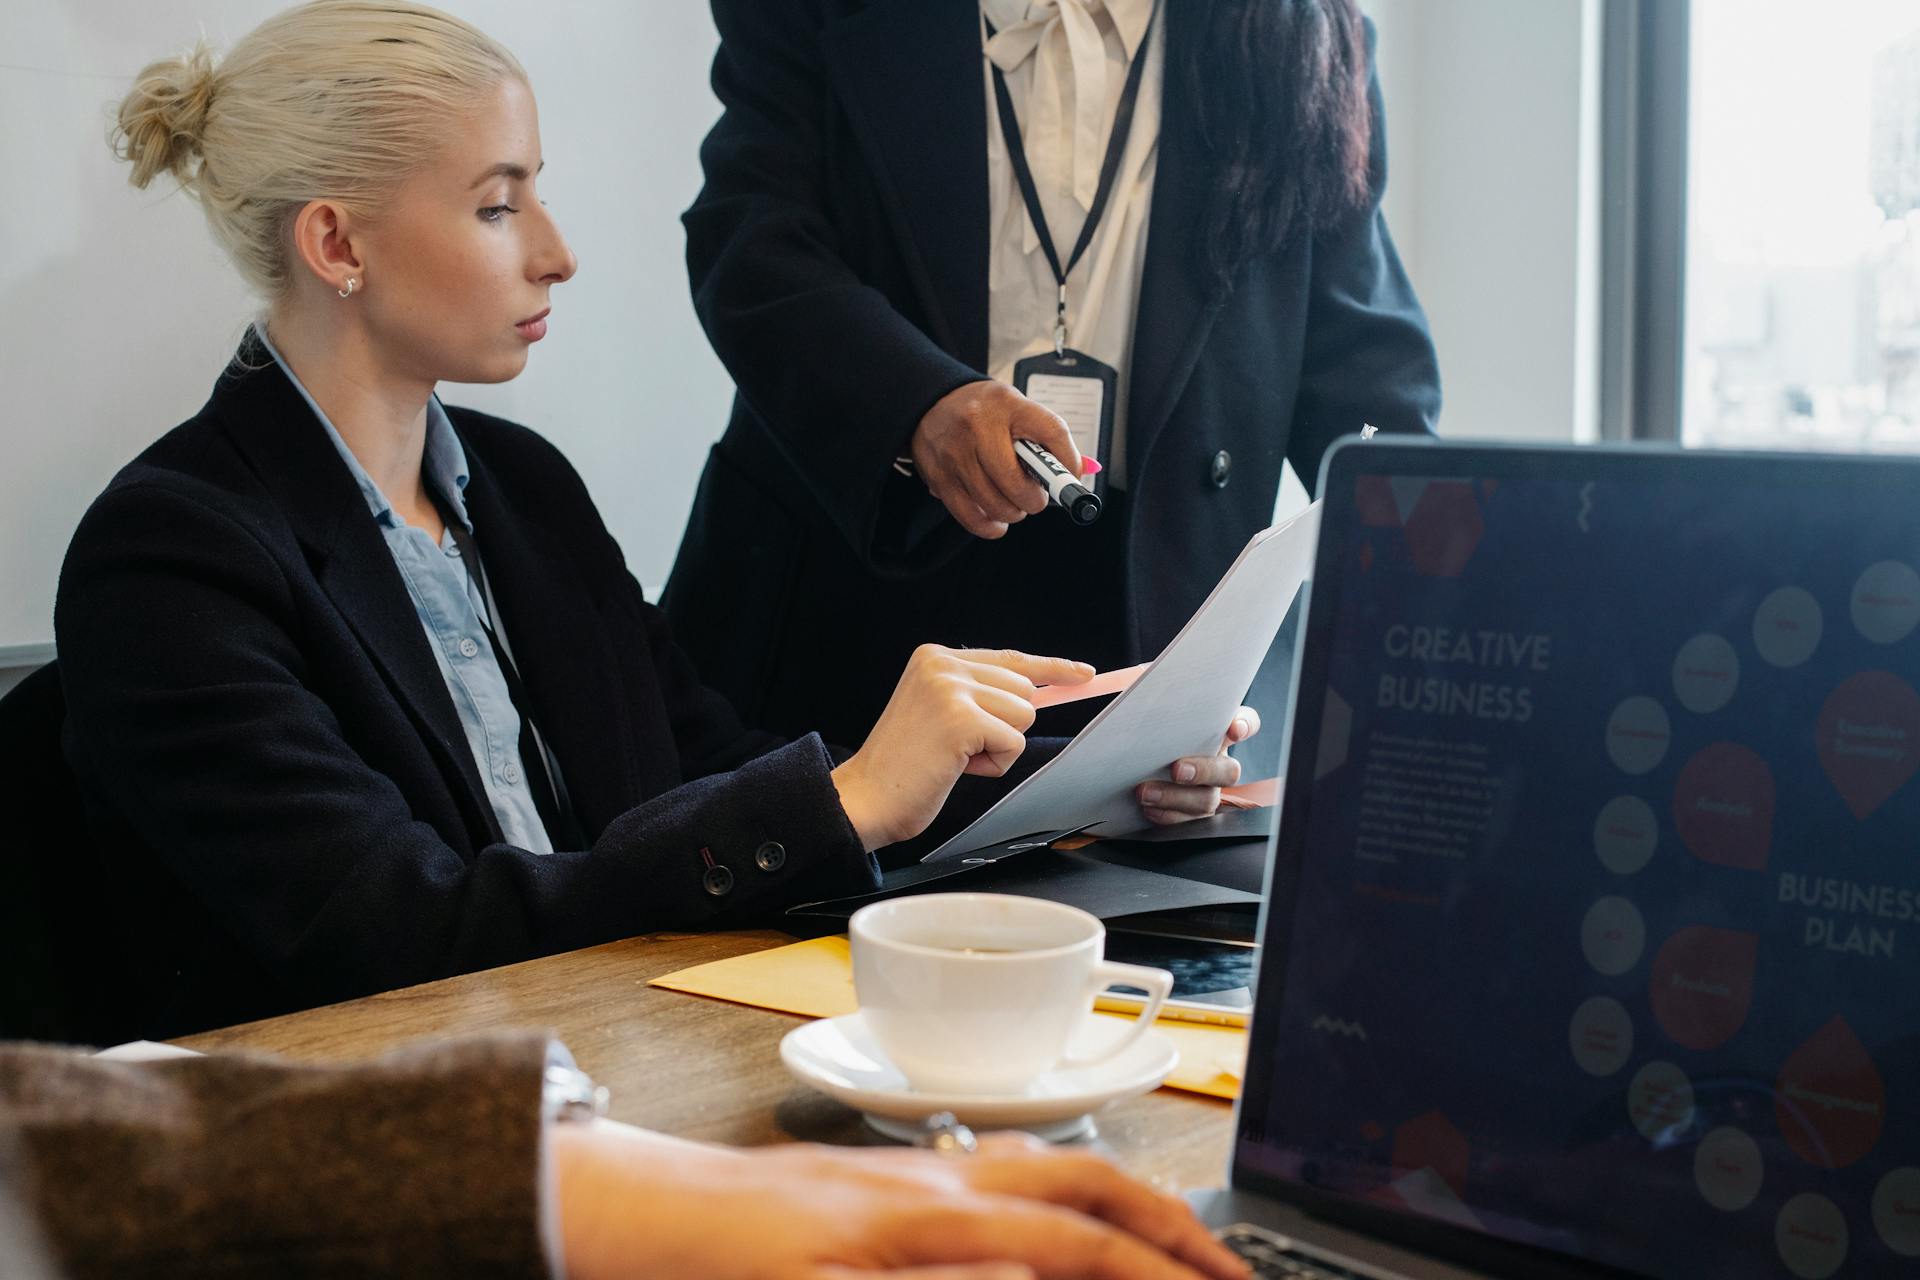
point(360, 691)
point(892, 198)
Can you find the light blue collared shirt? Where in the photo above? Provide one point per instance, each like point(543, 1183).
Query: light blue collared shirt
point(452, 611)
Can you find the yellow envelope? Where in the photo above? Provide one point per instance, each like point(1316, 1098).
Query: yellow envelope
point(815, 978)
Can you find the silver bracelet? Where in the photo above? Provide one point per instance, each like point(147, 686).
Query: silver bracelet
point(568, 1095)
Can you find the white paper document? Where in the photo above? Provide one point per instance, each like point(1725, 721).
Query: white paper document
point(1180, 706)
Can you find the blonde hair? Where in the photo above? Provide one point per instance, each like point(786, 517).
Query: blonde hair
point(337, 99)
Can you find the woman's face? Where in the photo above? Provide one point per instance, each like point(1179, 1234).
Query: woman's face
point(459, 265)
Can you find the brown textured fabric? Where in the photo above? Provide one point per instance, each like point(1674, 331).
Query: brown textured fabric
point(422, 1164)
point(22, 1254)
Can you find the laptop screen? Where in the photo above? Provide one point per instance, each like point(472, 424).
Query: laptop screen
point(1595, 922)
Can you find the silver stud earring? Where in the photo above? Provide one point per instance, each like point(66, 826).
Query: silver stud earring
point(347, 292)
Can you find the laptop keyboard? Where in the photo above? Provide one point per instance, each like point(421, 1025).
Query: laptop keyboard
point(1274, 1257)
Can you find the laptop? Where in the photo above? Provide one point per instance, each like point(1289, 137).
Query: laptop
point(1592, 935)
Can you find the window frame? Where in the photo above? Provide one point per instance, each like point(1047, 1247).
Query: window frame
point(1645, 115)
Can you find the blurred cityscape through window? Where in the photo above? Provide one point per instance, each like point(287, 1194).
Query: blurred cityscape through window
point(1803, 226)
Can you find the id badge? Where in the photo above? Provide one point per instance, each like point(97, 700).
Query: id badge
point(1080, 390)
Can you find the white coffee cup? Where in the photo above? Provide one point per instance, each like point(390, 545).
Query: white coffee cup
point(979, 993)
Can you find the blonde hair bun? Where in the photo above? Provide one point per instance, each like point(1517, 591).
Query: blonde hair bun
point(164, 116)
point(334, 99)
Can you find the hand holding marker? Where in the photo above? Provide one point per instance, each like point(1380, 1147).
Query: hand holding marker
point(1062, 487)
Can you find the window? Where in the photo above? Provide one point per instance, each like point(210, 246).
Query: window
point(1802, 290)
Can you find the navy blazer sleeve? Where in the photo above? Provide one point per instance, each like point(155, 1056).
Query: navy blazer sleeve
point(834, 370)
point(192, 716)
point(1368, 357)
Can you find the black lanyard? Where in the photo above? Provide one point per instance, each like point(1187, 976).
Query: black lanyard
point(543, 771)
point(1116, 144)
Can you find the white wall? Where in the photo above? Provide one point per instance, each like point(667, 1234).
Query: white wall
point(1492, 197)
point(117, 312)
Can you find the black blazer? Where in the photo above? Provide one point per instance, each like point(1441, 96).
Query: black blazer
point(838, 255)
point(276, 777)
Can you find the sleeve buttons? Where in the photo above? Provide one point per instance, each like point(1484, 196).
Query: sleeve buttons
point(770, 856)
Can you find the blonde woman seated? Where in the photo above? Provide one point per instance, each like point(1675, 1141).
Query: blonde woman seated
point(360, 691)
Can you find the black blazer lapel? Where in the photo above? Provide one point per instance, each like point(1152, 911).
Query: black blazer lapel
point(563, 655)
point(271, 424)
point(1178, 303)
point(364, 583)
point(908, 73)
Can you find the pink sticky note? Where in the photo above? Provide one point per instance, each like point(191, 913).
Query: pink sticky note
point(1106, 682)
point(1251, 795)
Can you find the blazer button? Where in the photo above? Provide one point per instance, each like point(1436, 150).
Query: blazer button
point(718, 881)
point(1221, 469)
point(770, 856)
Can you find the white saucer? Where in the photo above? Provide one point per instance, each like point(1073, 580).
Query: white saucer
point(839, 1057)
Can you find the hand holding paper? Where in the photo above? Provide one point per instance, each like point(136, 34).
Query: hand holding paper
point(1193, 786)
point(1175, 709)
point(954, 711)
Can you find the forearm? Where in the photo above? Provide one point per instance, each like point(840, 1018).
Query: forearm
point(336, 889)
point(775, 825)
point(606, 1173)
point(720, 849)
point(423, 1164)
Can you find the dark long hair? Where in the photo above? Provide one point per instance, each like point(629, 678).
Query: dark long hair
point(1281, 116)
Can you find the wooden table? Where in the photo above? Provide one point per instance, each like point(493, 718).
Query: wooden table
point(683, 1064)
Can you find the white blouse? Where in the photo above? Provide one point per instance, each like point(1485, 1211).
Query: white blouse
point(1065, 63)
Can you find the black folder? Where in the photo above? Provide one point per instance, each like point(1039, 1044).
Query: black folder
point(1201, 879)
